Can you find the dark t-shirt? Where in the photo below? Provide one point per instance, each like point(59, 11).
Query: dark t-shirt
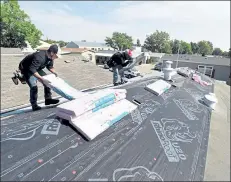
point(36, 62)
point(120, 58)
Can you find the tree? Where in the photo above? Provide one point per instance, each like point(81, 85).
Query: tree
point(204, 47)
point(16, 26)
point(62, 43)
point(167, 48)
point(159, 41)
point(175, 46)
point(226, 54)
point(119, 41)
point(217, 52)
point(185, 48)
point(210, 45)
point(195, 47)
point(138, 43)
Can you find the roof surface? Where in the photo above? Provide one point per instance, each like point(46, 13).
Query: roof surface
point(198, 59)
point(155, 54)
point(77, 73)
point(148, 144)
point(75, 50)
point(90, 44)
point(6, 50)
point(106, 51)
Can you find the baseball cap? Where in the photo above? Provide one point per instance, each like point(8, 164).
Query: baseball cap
point(129, 52)
point(55, 49)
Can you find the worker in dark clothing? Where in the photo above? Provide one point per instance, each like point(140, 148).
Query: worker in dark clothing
point(118, 61)
point(32, 69)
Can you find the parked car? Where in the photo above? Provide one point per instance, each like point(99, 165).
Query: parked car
point(131, 73)
point(158, 66)
point(105, 66)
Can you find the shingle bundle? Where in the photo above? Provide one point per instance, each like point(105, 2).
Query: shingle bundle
point(94, 113)
point(62, 88)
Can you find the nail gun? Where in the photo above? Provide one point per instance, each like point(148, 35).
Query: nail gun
point(18, 76)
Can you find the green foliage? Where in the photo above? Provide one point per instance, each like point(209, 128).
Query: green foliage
point(119, 41)
point(159, 41)
point(205, 47)
point(16, 26)
point(185, 48)
point(226, 54)
point(195, 47)
point(175, 46)
point(210, 45)
point(60, 42)
point(217, 52)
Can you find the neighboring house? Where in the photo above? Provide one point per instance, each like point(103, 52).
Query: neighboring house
point(215, 67)
point(43, 44)
point(88, 54)
point(153, 57)
point(95, 46)
point(29, 49)
point(62, 52)
point(5, 51)
point(103, 56)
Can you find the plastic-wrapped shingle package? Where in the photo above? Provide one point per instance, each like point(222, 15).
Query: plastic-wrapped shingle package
point(89, 103)
point(94, 113)
point(59, 86)
point(101, 120)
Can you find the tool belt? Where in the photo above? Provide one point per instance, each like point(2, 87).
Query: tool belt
point(18, 75)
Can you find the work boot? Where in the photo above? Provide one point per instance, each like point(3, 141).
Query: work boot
point(116, 84)
point(51, 101)
point(36, 107)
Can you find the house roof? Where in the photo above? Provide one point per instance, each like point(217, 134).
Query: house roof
point(198, 59)
point(106, 51)
point(70, 50)
point(76, 50)
point(172, 122)
point(156, 54)
point(6, 50)
point(90, 44)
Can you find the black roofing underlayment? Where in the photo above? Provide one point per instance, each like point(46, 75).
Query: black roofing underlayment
point(166, 138)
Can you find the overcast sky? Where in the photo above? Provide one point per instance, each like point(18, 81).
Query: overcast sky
point(93, 21)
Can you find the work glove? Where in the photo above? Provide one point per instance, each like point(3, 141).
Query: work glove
point(125, 64)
